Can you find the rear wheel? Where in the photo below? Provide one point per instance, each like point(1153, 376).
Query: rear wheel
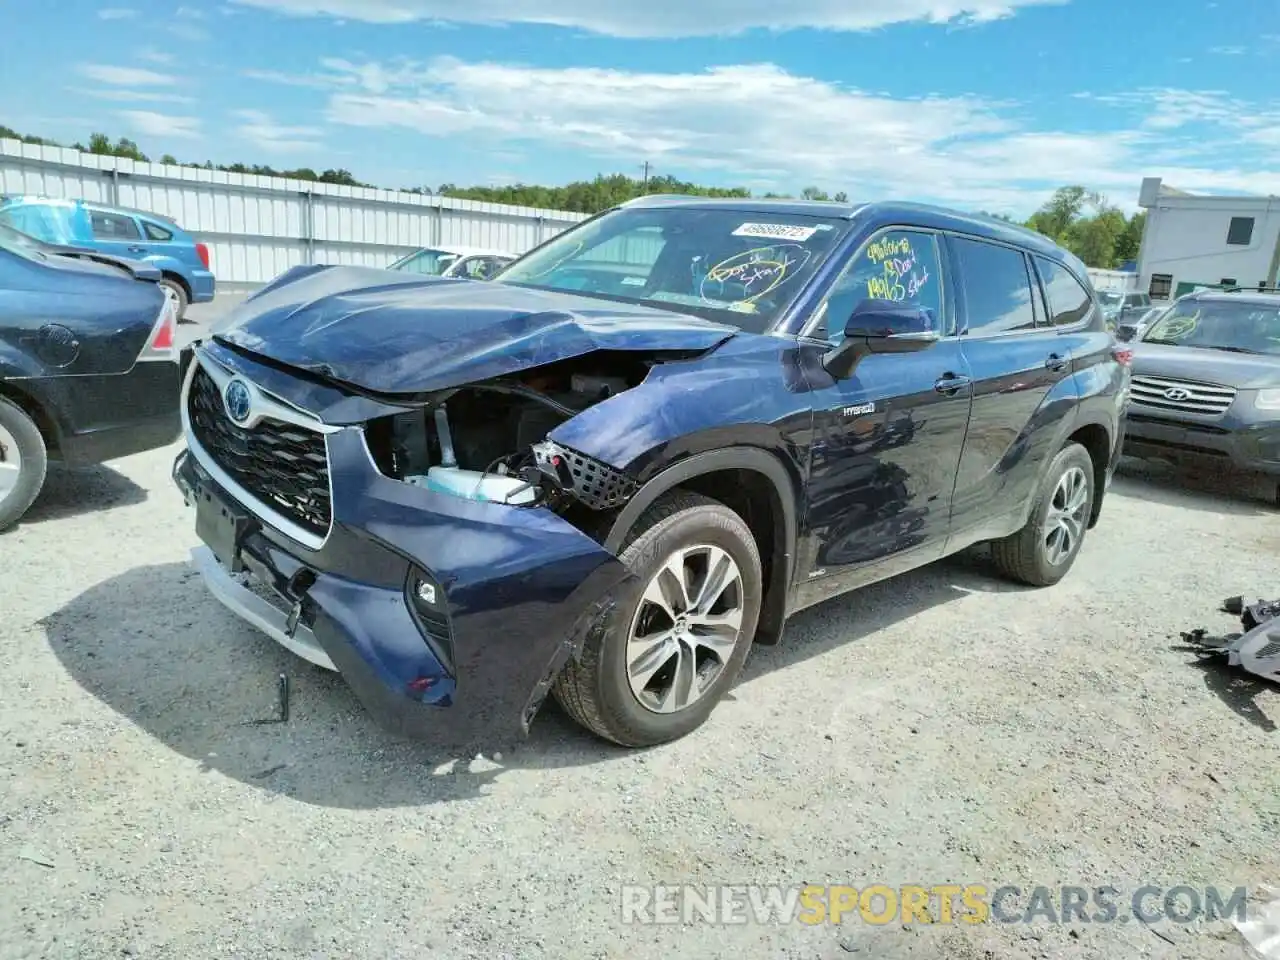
point(655, 666)
point(23, 462)
point(176, 294)
point(1041, 553)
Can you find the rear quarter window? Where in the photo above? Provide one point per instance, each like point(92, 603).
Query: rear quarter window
point(1069, 301)
point(156, 232)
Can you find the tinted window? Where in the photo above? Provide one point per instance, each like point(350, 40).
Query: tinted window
point(1069, 302)
point(155, 232)
point(111, 226)
point(997, 289)
point(899, 265)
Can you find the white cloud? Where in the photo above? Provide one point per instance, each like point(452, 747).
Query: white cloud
point(262, 131)
point(155, 56)
point(761, 125)
point(133, 96)
point(162, 125)
point(662, 18)
point(117, 13)
point(124, 76)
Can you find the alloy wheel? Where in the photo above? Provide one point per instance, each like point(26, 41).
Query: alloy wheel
point(10, 464)
point(685, 629)
point(1065, 523)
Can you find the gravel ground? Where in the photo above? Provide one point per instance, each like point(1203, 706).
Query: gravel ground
point(941, 727)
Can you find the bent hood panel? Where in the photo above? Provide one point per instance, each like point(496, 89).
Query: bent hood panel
point(395, 333)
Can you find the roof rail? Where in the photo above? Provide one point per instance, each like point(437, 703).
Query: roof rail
point(1257, 288)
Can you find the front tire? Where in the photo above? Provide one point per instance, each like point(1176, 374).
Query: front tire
point(654, 667)
point(1041, 553)
point(23, 463)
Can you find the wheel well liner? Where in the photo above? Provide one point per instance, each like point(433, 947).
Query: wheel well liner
point(749, 480)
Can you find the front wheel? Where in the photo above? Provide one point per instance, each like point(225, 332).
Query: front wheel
point(656, 665)
point(23, 463)
point(1041, 553)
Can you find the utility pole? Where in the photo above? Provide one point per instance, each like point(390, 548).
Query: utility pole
point(647, 168)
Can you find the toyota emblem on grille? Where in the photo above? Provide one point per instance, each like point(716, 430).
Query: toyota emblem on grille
point(238, 400)
point(1177, 393)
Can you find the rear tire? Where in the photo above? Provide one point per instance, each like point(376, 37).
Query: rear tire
point(175, 291)
point(1042, 552)
point(655, 665)
point(23, 463)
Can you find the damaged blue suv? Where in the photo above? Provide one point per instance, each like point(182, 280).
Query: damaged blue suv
point(608, 472)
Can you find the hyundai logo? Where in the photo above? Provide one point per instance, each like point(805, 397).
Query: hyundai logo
point(1177, 393)
point(238, 400)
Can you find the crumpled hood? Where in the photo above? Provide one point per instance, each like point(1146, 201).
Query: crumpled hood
point(395, 333)
point(1244, 371)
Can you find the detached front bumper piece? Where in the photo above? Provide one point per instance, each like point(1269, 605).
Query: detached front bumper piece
point(448, 618)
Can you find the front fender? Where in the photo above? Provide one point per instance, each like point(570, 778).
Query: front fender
point(750, 392)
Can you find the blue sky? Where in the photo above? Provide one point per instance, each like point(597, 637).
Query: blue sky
point(975, 103)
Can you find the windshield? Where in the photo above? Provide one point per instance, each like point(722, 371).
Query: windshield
point(720, 264)
point(1235, 327)
point(432, 263)
point(14, 241)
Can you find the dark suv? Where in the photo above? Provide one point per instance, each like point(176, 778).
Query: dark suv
point(640, 449)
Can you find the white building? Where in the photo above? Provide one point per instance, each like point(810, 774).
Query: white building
point(1192, 240)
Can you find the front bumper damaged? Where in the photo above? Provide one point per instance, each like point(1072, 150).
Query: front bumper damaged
point(448, 618)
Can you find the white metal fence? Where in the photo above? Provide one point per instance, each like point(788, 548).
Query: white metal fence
point(258, 227)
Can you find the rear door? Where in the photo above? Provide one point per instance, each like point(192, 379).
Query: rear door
point(1022, 389)
point(887, 439)
point(118, 234)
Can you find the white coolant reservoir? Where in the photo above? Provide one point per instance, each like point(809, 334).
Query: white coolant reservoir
point(474, 485)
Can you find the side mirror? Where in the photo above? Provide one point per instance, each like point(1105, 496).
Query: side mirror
point(880, 326)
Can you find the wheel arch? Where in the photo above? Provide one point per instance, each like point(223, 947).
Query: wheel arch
point(179, 279)
point(753, 482)
point(33, 408)
point(1096, 438)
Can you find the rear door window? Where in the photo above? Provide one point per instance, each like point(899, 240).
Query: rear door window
point(113, 226)
point(996, 285)
point(1069, 301)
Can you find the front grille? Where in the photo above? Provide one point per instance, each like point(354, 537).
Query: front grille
point(1188, 396)
point(282, 465)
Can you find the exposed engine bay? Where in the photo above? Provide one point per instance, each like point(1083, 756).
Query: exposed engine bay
point(488, 441)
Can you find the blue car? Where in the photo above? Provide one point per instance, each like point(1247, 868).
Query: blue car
point(183, 263)
point(635, 452)
point(89, 370)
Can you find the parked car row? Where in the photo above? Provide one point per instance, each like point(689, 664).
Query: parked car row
point(185, 276)
point(88, 363)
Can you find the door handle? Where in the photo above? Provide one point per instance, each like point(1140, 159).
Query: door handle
point(137, 249)
point(1056, 361)
point(950, 384)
